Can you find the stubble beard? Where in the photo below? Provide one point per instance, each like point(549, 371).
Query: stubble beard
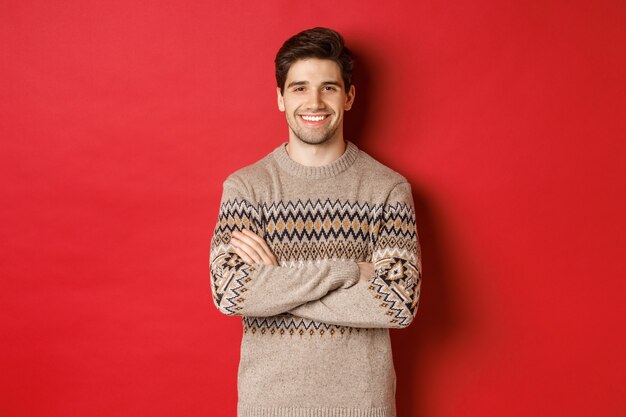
point(311, 138)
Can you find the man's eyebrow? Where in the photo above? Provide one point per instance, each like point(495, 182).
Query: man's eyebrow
point(291, 84)
point(296, 83)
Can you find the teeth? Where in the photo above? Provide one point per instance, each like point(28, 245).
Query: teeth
point(313, 118)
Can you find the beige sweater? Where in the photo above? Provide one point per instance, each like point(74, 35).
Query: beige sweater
point(316, 339)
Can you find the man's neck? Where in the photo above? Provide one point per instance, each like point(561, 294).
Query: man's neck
point(315, 155)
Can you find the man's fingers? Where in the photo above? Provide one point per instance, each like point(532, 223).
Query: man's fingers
point(366, 270)
point(262, 245)
point(247, 249)
point(253, 249)
point(244, 256)
point(253, 240)
point(254, 246)
point(257, 244)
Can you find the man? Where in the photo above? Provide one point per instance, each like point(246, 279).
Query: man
point(316, 248)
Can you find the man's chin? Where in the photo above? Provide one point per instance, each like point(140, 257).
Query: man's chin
point(313, 141)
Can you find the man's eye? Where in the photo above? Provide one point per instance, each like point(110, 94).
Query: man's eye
point(329, 88)
point(298, 89)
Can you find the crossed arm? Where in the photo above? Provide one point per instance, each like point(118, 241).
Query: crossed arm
point(254, 250)
point(247, 280)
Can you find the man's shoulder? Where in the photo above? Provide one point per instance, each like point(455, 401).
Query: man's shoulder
point(378, 173)
point(256, 172)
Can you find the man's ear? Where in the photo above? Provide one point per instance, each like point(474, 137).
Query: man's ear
point(349, 98)
point(279, 97)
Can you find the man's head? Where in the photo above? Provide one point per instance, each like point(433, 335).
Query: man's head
point(313, 72)
point(321, 43)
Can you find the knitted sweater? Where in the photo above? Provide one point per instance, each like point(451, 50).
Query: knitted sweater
point(316, 338)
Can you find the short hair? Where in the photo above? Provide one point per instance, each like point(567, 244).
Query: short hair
point(319, 42)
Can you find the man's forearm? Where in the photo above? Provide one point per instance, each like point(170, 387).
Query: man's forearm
point(390, 298)
point(266, 290)
point(378, 303)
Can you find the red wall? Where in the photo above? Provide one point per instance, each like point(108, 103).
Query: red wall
point(119, 120)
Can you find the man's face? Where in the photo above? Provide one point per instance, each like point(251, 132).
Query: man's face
point(314, 101)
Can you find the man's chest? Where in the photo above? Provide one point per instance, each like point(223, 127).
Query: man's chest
point(319, 229)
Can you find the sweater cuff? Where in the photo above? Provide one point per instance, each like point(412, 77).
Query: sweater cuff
point(345, 273)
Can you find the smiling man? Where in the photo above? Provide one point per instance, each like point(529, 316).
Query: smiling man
point(314, 101)
point(316, 249)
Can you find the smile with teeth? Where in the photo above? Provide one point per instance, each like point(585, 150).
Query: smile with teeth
point(314, 118)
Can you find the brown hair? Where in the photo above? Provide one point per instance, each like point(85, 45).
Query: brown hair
point(319, 43)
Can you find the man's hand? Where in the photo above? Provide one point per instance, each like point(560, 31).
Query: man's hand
point(252, 248)
point(367, 271)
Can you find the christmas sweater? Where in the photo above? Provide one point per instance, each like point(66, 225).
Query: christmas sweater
point(315, 337)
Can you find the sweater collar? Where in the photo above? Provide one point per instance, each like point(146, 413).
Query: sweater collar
point(325, 171)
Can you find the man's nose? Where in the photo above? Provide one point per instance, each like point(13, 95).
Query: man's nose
point(314, 100)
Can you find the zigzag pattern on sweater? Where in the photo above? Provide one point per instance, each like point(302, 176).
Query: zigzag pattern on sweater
point(286, 324)
point(298, 231)
point(313, 221)
point(229, 275)
point(396, 285)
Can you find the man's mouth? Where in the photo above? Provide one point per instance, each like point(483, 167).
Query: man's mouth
point(314, 119)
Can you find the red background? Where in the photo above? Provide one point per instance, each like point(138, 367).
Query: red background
point(120, 119)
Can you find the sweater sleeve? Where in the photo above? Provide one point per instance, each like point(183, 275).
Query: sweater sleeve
point(390, 299)
point(263, 290)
